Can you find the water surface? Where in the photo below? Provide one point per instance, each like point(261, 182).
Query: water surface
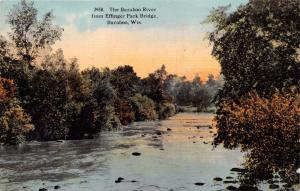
point(174, 160)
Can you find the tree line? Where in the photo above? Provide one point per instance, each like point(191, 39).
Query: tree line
point(44, 96)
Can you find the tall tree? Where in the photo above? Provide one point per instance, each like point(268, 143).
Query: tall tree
point(258, 49)
point(257, 46)
point(30, 35)
point(125, 81)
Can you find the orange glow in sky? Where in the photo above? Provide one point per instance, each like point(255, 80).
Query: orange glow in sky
point(183, 51)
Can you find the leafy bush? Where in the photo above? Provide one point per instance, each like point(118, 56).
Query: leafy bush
point(126, 113)
point(15, 123)
point(7, 90)
point(268, 128)
point(166, 109)
point(144, 107)
point(107, 118)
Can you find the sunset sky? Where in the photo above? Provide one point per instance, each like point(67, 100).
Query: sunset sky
point(176, 38)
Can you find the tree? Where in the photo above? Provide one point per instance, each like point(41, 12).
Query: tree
point(154, 85)
point(211, 80)
point(29, 35)
point(125, 81)
point(47, 106)
point(98, 111)
point(201, 99)
point(105, 96)
point(257, 46)
point(258, 49)
point(154, 88)
point(4, 49)
point(185, 93)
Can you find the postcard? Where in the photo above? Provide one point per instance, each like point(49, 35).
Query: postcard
point(149, 95)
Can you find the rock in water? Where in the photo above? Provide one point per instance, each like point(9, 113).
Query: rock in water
point(274, 186)
point(218, 179)
point(119, 180)
point(241, 170)
point(199, 183)
point(136, 154)
point(56, 187)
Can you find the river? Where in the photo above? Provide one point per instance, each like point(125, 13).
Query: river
point(175, 160)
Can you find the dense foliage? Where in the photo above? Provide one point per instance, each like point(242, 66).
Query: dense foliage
point(14, 121)
point(50, 93)
point(257, 46)
point(264, 125)
point(258, 49)
point(194, 93)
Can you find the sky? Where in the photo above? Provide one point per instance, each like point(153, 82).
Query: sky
point(177, 38)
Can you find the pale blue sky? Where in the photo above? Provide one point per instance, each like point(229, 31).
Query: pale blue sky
point(171, 13)
point(176, 39)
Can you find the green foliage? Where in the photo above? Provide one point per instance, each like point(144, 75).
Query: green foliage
point(154, 86)
point(108, 118)
point(105, 96)
point(98, 112)
point(257, 46)
point(201, 99)
point(30, 35)
point(48, 98)
point(195, 92)
point(144, 108)
point(63, 102)
point(258, 49)
point(166, 110)
point(125, 81)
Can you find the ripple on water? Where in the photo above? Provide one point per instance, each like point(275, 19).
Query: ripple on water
point(174, 160)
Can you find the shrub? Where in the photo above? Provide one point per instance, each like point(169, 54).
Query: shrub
point(144, 107)
point(107, 118)
point(126, 113)
point(7, 90)
point(15, 123)
point(268, 128)
point(166, 109)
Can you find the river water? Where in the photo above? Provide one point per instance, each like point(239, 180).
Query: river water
point(174, 160)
